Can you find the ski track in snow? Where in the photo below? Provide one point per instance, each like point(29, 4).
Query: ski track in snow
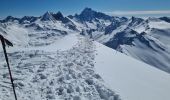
point(55, 75)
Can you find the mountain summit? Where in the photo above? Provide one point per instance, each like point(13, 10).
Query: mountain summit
point(88, 15)
point(47, 17)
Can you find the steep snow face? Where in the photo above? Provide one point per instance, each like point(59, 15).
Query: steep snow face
point(88, 15)
point(160, 34)
point(131, 36)
point(94, 23)
point(167, 19)
point(131, 79)
point(150, 46)
point(158, 24)
point(47, 17)
point(143, 47)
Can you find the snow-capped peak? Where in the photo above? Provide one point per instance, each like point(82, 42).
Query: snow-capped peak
point(167, 19)
point(88, 14)
point(10, 18)
point(87, 11)
point(153, 19)
point(47, 17)
point(134, 21)
point(58, 16)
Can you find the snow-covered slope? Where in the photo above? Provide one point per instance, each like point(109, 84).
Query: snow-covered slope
point(50, 60)
point(150, 46)
point(143, 39)
point(80, 69)
point(62, 70)
point(131, 79)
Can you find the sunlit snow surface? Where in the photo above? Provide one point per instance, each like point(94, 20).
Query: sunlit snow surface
point(84, 70)
point(132, 79)
point(51, 61)
point(63, 70)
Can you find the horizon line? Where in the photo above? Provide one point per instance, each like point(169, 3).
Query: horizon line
point(125, 13)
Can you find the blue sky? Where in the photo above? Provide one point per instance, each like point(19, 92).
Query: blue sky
point(20, 8)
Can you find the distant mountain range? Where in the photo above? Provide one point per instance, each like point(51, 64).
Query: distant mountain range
point(144, 39)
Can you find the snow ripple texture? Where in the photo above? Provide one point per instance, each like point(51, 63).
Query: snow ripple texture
point(59, 75)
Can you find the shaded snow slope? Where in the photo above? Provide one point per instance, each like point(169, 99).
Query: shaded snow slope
point(132, 79)
point(148, 40)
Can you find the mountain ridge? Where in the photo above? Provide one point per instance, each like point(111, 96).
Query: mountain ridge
point(103, 28)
